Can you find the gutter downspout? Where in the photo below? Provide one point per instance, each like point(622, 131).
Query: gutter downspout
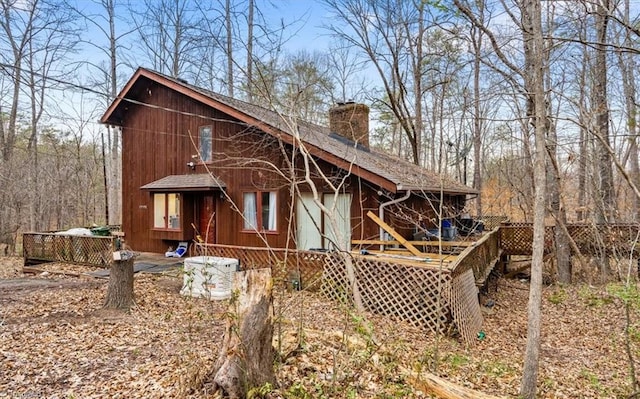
point(381, 212)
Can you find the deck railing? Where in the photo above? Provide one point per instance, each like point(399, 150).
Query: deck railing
point(481, 257)
point(53, 247)
point(294, 267)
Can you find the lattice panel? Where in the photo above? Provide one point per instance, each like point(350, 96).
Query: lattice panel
point(414, 294)
point(599, 239)
point(84, 250)
point(286, 265)
point(491, 222)
point(587, 238)
point(517, 239)
point(624, 239)
point(465, 307)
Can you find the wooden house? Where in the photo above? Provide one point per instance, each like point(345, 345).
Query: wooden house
point(197, 164)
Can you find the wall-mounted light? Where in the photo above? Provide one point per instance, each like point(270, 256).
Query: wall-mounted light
point(191, 165)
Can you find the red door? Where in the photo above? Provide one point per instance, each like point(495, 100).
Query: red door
point(207, 218)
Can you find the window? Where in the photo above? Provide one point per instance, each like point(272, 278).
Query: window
point(166, 211)
point(205, 143)
point(259, 211)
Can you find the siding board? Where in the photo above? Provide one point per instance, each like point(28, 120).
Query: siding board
point(157, 143)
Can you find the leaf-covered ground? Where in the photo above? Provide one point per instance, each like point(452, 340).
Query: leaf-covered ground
point(57, 342)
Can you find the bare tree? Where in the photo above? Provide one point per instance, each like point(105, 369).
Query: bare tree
point(250, 40)
point(601, 109)
point(477, 36)
point(306, 87)
point(628, 66)
point(39, 36)
point(169, 35)
point(534, 54)
point(345, 67)
point(104, 75)
point(390, 35)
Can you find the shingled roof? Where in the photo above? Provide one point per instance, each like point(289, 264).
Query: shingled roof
point(192, 182)
point(397, 174)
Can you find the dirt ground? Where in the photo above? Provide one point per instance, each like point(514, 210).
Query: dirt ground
point(57, 342)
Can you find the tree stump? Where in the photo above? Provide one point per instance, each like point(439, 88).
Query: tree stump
point(246, 355)
point(120, 289)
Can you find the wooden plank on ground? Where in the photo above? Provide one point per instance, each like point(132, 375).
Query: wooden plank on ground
point(415, 251)
point(434, 385)
point(37, 270)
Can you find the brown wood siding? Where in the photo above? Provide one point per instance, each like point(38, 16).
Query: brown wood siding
point(158, 142)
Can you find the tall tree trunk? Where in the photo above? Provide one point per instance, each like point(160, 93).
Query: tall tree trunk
point(626, 64)
point(605, 200)
point(582, 213)
point(477, 36)
point(113, 181)
point(105, 179)
point(417, 86)
point(561, 238)
point(229, 28)
point(250, 51)
point(605, 168)
point(534, 78)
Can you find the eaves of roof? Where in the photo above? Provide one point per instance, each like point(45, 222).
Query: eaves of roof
point(389, 172)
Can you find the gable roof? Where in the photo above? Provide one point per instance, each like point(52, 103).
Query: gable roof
point(389, 172)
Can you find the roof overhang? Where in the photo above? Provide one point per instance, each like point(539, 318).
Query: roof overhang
point(182, 183)
point(114, 116)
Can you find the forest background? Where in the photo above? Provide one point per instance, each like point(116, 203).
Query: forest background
point(449, 84)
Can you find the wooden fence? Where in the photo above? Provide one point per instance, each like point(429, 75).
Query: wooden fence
point(53, 247)
point(491, 222)
point(590, 239)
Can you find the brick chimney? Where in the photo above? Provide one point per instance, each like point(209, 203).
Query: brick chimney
point(350, 120)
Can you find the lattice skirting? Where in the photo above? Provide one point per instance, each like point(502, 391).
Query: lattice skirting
point(465, 307)
point(425, 297)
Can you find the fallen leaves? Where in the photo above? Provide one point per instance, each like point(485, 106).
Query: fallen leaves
point(57, 342)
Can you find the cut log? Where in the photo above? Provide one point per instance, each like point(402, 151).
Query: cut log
point(434, 385)
point(246, 355)
point(120, 290)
